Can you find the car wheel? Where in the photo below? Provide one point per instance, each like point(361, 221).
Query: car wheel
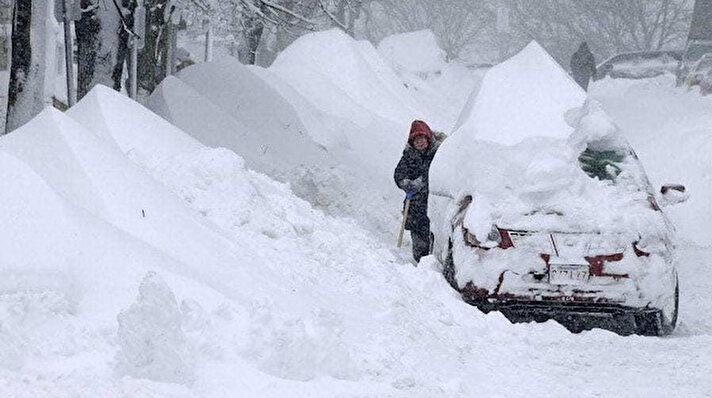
point(669, 322)
point(659, 323)
point(449, 267)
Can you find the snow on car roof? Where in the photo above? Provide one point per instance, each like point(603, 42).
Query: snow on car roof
point(527, 95)
point(535, 154)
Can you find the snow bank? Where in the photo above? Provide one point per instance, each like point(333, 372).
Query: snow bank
point(234, 87)
point(118, 119)
point(269, 150)
point(334, 133)
point(440, 88)
point(320, 174)
point(344, 77)
point(415, 52)
point(98, 193)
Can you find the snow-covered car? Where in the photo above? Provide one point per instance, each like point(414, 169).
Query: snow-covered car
point(639, 64)
point(541, 209)
point(700, 75)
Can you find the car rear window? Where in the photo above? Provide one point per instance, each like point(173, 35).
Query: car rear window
point(601, 164)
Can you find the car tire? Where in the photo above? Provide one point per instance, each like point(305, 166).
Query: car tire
point(658, 323)
point(449, 267)
point(668, 324)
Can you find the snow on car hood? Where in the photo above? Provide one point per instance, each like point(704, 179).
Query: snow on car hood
point(517, 152)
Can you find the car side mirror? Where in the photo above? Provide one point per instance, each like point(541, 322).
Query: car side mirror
point(672, 194)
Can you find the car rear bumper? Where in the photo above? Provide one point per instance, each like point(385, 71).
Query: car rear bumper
point(577, 316)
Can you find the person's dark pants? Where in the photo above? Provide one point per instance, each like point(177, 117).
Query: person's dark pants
point(421, 242)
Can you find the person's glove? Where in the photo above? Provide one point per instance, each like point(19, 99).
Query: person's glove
point(416, 185)
point(409, 195)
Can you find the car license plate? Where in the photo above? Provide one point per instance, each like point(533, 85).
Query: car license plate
point(568, 274)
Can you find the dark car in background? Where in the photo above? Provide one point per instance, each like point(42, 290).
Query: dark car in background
point(639, 65)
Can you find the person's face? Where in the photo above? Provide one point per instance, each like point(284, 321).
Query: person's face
point(420, 143)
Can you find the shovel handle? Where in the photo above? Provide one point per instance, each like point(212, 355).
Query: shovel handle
point(402, 228)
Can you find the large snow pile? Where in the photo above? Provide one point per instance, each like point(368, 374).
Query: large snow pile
point(326, 160)
point(526, 95)
point(441, 88)
point(416, 52)
point(331, 92)
point(225, 104)
point(274, 150)
point(346, 78)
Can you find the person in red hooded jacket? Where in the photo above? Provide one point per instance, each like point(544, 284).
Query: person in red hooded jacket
point(411, 175)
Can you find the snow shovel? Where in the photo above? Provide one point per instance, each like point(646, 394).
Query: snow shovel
point(405, 217)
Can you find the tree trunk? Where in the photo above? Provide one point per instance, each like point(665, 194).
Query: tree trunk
point(101, 45)
point(122, 53)
point(254, 27)
point(87, 31)
point(151, 59)
point(27, 72)
point(107, 53)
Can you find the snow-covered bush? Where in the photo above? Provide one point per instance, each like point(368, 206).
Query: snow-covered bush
point(152, 342)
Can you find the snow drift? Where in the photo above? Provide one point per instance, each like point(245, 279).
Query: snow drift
point(341, 76)
point(225, 104)
point(414, 52)
point(319, 172)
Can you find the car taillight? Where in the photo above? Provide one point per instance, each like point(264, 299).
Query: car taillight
point(506, 240)
point(470, 239)
point(496, 238)
point(597, 262)
point(638, 251)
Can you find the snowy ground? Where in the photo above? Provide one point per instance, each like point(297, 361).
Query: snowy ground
point(137, 261)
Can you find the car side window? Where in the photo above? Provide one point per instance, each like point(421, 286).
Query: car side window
point(601, 164)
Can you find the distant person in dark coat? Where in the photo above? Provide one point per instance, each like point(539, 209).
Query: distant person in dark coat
point(411, 175)
point(583, 66)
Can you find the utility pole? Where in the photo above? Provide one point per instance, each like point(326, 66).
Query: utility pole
point(172, 18)
point(209, 41)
